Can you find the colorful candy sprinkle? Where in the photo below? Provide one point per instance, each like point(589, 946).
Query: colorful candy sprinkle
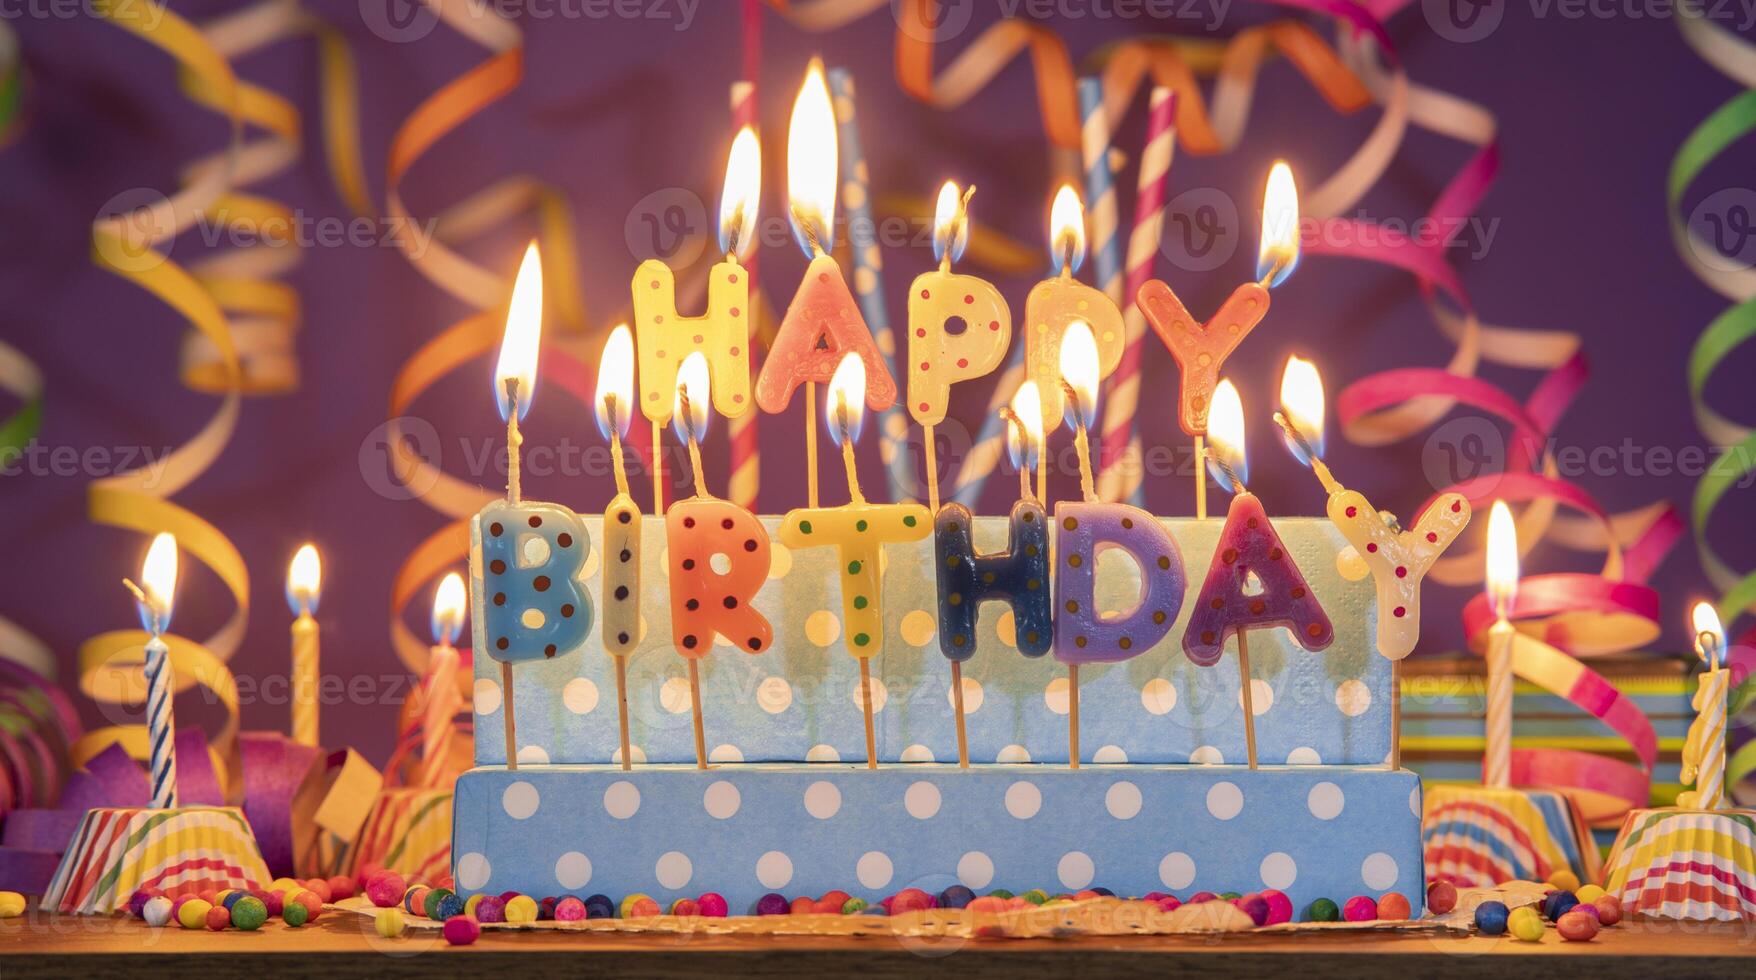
point(193, 913)
point(1565, 880)
point(295, 914)
point(249, 913)
point(1525, 925)
point(218, 917)
point(461, 930)
point(1441, 897)
point(713, 905)
point(1280, 907)
point(1491, 918)
point(385, 889)
point(1609, 910)
point(521, 910)
point(156, 911)
point(773, 903)
point(1577, 926)
point(1394, 905)
point(569, 909)
point(1360, 908)
point(1320, 910)
point(1558, 904)
point(388, 923)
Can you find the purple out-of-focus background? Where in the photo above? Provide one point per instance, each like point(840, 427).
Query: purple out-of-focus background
point(1573, 235)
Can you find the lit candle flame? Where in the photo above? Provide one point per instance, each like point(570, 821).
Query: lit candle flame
point(1067, 231)
point(1027, 404)
point(1277, 253)
point(448, 606)
point(616, 378)
point(1079, 369)
point(845, 402)
point(523, 336)
point(1502, 559)
point(950, 224)
point(811, 164)
point(692, 378)
point(1709, 634)
point(1225, 439)
point(304, 580)
point(1301, 401)
point(158, 583)
point(741, 197)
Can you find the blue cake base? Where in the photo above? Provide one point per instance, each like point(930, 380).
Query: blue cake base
point(804, 829)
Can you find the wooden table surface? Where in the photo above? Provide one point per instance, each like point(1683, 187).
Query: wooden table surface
point(340, 946)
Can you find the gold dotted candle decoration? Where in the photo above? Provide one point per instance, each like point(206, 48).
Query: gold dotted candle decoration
point(859, 533)
point(938, 357)
point(1057, 303)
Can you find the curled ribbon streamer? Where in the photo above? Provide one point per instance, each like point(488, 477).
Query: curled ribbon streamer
point(244, 324)
point(482, 288)
point(1732, 329)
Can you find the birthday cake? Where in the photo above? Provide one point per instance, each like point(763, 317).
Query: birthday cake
point(1164, 800)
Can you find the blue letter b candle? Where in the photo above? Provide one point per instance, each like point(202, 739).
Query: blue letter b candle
point(528, 602)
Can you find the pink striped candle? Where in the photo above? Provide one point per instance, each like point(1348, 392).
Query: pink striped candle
point(746, 455)
point(1120, 478)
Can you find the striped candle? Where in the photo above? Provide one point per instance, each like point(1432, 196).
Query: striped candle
point(1100, 215)
point(1497, 762)
point(893, 422)
point(746, 454)
point(1120, 443)
point(161, 725)
point(442, 703)
point(1704, 752)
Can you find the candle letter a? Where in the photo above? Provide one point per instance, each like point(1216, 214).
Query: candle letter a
point(1253, 583)
point(821, 325)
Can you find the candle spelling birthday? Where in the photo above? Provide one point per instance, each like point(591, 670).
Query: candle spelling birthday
point(858, 531)
point(527, 602)
point(719, 555)
point(621, 556)
point(1057, 303)
point(1252, 582)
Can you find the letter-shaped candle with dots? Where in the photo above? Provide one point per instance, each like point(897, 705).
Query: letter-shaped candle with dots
point(823, 323)
point(937, 357)
point(1252, 581)
point(620, 561)
point(527, 602)
point(1057, 303)
point(719, 556)
point(1085, 634)
point(1017, 576)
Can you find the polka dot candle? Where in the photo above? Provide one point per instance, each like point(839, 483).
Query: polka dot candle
point(858, 532)
point(528, 602)
point(938, 357)
point(1050, 308)
point(1252, 583)
point(620, 567)
point(719, 558)
point(1200, 348)
point(822, 324)
point(1017, 576)
point(1397, 559)
point(1083, 532)
point(664, 339)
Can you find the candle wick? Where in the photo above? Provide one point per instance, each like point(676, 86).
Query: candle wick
point(1708, 642)
point(737, 224)
point(1081, 444)
point(513, 441)
point(694, 446)
point(1231, 475)
point(1017, 423)
point(809, 230)
point(847, 449)
point(616, 463)
point(139, 593)
point(1273, 270)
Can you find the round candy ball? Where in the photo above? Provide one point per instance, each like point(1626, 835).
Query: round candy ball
point(836, 897)
point(956, 897)
point(156, 911)
point(193, 913)
point(1036, 896)
point(507, 896)
point(1441, 897)
point(1105, 892)
point(341, 887)
point(1565, 880)
point(1169, 903)
point(853, 906)
point(1491, 918)
point(321, 887)
point(295, 914)
point(912, 900)
point(1360, 908)
point(1577, 926)
point(773, 903)
point(275, 902)
point(803, 905)
point(1256, 907)
point(1558, 904)
point(1394, 906)
point(414, 901)
point(1589, 893)
point(249, 913)
point(545, 908)
point(1320, 910)
point(639, 906)
point(1609, 910)
point(489, 909)
point(569, 909)
point(385, 889)
point(1280, 907)
point(1199, 897)
point(449, 906)
point(430, 902)
point(388, 923)
point(232, 898)
point(600, 907)
point(138, 900)
point(522, 909)
point(470, 904)
point(1001, 893)
point(461, 930)
point(313, 905)
point(1525, 924)
point(218, 917)
point(686, 906)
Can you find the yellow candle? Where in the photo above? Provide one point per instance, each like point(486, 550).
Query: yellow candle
point(1055, 304)
point(304, 587)
point(937, 358)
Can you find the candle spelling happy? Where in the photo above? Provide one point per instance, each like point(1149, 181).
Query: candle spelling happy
point(1055, 304)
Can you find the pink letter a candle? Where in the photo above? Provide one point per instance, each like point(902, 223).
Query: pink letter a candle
point(822, 324)
point(1252, 583)
point(706, 602)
